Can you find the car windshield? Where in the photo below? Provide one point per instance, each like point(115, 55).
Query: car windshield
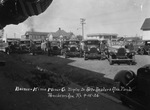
point(55, 42)
point(92, 42)
point(37, 42)
point(25, 42)
point(73, 42)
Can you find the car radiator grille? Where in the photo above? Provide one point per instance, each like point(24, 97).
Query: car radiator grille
point(55, 48)
point(73, 49)
point(93, 50)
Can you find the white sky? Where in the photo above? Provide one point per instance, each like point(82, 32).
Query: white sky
point(124, 17)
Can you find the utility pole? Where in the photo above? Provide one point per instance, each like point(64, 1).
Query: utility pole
point(82, 21)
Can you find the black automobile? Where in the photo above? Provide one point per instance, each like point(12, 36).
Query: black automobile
point(55, 48)
point(92, 49)
point(145, 48)
point(71, 48)
point(134, 89)
point(14, 47)
point(37, 47)
point(121, 55)
point(25, 45)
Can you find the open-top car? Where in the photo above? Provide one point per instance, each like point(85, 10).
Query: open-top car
point(134, 89)
point(92, 49)
point(55, 48)
point(145, 48)
point(71, 48)
point(122, 55)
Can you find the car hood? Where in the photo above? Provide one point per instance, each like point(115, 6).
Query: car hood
point(92, 46)
point(72, 46)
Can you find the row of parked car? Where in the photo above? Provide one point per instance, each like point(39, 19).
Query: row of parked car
point(87, 49)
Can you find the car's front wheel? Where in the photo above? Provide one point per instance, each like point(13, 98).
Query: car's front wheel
point(85, 58)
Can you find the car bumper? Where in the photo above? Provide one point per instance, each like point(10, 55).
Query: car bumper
point(93, 55)
point(73, 54)
point(122, 60)
point(58, 52)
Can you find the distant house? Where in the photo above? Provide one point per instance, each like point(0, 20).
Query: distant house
point(36, 35)
point(61, 34)
point(146, 29)
point(109, 37)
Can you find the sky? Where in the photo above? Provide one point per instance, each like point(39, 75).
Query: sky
point(123, 17)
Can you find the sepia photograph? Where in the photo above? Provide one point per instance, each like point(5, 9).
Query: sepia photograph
point(74, 54)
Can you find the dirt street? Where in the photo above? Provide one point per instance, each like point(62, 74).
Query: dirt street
point(82, 71)
point(17, 92)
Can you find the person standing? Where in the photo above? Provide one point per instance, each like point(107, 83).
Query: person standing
point(49, 47)
point(32, 47)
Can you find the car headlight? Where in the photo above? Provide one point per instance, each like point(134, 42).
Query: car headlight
point(88, 49)
point(127, 51)
point(115, 51)
point(98, 49)
point(68, 48)
point(133, 53)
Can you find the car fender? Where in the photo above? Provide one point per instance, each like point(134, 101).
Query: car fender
point(122, 77)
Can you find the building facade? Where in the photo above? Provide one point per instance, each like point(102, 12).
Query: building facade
point(61, 35)
point(36, 35)
point(58, 35)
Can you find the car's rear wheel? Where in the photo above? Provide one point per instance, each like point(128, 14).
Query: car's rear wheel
point(85, 58)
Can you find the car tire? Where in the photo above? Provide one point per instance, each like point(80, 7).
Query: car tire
point(142, 52)
point(85, 58)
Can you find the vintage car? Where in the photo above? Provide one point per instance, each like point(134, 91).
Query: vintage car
point(121, 55)
point(92, 49)
point(4, 47)
point(14, 47)
point(71, 48)
point(25, 45)
point(37, 47)
point(134, 89)
point(55, 48)
point(145, 48)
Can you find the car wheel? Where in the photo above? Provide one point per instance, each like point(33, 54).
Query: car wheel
point(142, 52)
point(85, 58)
point(149, 52)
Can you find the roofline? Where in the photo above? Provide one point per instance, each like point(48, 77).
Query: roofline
point(30, 33)
point(98, 34)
